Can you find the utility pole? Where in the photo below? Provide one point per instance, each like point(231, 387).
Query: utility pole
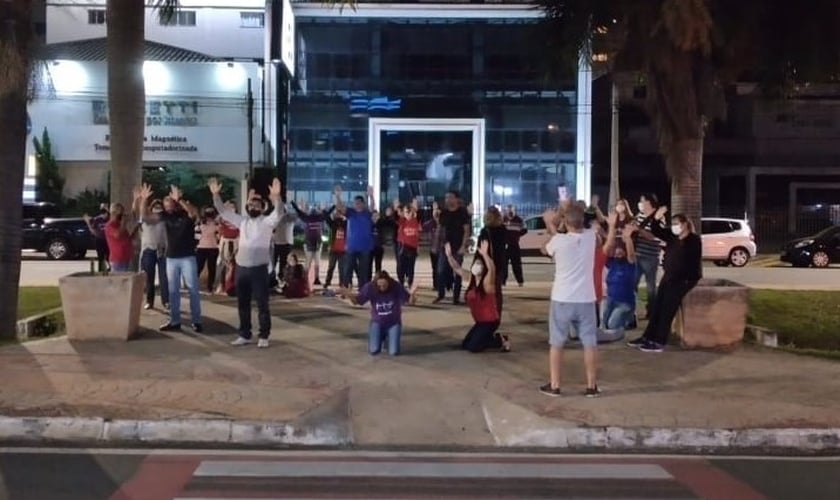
point(250, 132)
point(614, 174)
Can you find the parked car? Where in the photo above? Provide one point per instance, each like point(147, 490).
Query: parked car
point(532, 242)
point(819, 250)
point(728, 242)
point(59, 238)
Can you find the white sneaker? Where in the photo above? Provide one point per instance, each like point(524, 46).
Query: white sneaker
point(240, 341)
point(262, 343)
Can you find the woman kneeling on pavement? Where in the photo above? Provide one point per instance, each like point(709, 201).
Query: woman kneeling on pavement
point(386, 297)
point(481, 299)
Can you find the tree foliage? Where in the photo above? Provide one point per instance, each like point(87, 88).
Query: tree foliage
point(49, 184)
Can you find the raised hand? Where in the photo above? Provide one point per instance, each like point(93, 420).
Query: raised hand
point(660, 212)
point(596, 200)
point(613, 219)
point(484, 248)
point(370, 191)
point(175, 193)
point(215, 186)
point(275, 189)
point(145, 192)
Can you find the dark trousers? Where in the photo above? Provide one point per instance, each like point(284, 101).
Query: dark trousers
point(102, 253)
point(405, 265)
point(514, 258)
point(252, 283)
point(150, 262)
point(669, 296)
point(447, 277)
point(278, 261)
point(376, 260)
point(397, 252)
point(482, 336)
point(433, 258)
point(499, 298)
point(358, 263)
point(335, 259)
point(208, 257)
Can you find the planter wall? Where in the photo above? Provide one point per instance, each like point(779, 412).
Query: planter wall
point(100, 307)
point(714, 314)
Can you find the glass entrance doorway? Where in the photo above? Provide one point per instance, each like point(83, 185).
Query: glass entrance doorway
point(424, 158)
point(424, 165)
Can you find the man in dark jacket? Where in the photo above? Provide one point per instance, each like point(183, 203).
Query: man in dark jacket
point(515, 230)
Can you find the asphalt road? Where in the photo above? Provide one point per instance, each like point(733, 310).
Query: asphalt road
point(66, 474)
point(36, 271)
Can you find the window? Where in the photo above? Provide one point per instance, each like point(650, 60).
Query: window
point(716, 227)
point(96, 16)
point(179, 18)
point(252, 19)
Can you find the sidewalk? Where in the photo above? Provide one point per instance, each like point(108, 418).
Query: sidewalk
point(317, 385)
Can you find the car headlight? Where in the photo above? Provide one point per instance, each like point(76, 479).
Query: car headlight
point(803, 243)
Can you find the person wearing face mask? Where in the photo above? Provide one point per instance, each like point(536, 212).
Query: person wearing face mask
point(648, 247)
point(481, 299)
point(119, 234)
point(178, 218)
point(516, 229)
point(624, 217)
point(683, 269)
point(253, 258)
point(386, 298)
point(207, 251)
point(620, 301)
point(153, 258)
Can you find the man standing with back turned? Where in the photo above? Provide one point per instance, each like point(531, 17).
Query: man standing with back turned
point(253, 259)
point(572, 295)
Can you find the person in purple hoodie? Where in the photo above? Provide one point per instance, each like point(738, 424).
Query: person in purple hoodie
point(386, 298)
point(313, 232)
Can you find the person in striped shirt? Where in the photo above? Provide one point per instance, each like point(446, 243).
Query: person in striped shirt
point(648, 247)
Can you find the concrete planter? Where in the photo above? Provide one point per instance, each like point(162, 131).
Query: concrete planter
point(98, 307)
point(714, 314)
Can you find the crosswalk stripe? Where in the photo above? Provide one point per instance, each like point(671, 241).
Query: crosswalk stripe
point(268, 469)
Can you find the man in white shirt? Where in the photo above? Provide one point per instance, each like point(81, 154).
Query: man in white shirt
point(573, 293)
point(253, 257)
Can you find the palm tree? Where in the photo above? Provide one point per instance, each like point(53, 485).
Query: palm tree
point(126, 25)
point(16, 35)
point(687, 52)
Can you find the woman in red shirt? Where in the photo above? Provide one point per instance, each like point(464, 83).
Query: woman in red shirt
point(408, 237)
point(119, 237)
point(481, 299)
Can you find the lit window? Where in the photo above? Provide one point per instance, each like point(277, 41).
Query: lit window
point(252, 19)
point(96, 16)
point(179, 18)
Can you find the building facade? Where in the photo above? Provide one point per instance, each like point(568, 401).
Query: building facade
point(417, 99)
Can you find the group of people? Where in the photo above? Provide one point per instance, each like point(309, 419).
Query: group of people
point(580, 236)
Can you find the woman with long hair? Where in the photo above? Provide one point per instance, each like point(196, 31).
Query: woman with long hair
point(207, 251)
point(481, 299)
point(495, 233)
point(386, 298)
point(295, 278)
point(683, 268)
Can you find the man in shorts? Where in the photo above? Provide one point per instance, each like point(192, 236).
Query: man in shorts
point(573, 294)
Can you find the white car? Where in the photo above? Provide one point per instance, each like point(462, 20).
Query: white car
point(728, 242)
point(533, 241)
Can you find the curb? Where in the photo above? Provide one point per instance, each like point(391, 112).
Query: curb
point(191, 432)
point(42, 325)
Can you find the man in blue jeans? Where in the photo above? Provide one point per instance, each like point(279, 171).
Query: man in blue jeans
point(178, 218)
point(152, 258)
point(454, 230)
point(359, 236)
point(253, 257)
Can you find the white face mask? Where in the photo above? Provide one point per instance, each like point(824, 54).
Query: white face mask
point(477, 270)
point(620, 209)
point(641, 207)
point(676, 229)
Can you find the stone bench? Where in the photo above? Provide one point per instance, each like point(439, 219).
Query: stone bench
point(102, 306)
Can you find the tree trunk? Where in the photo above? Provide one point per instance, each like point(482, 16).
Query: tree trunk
point(126, 95)
point(15, 36)
point(685, 160)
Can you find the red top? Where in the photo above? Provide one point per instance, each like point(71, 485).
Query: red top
point(409, 233)
point(339, 244)
point(600, 263)
point(482, 306)
point(120, 245)
point(228, 231)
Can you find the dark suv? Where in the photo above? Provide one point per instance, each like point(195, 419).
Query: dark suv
point(45, 231)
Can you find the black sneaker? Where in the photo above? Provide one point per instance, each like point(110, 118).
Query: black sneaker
point(637, 343)
point(592, 392)
point(438, 300)
point(316, 282)
point(650, 346)
point(548, 391)
point(197, 328)
point(170, 327)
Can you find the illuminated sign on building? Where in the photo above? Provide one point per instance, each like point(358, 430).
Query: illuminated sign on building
point(375, 104)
